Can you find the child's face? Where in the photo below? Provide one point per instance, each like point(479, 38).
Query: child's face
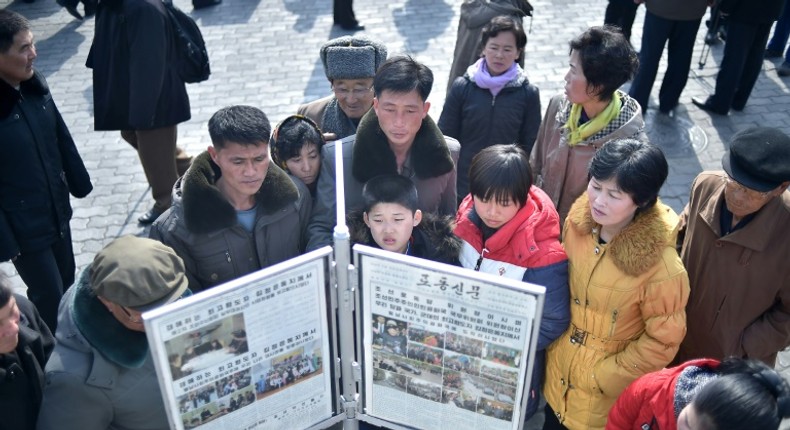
point(391, 225)
point(495, 214)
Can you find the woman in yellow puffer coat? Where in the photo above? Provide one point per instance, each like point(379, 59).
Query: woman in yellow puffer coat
point(628, 287)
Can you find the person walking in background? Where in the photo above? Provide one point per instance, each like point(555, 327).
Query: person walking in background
point(71, 7)
point(137, 90)
point(671, 23)
point(704, 394)
point(40, 167)
point(475, 14)
point(510, 228)
point(343, 14)
point(350, 63)
point(591, 112)
point(748, 24)
point(778, 42)
point(628, 287)
point(621, 13)
point(735, 247)
point(493, 103)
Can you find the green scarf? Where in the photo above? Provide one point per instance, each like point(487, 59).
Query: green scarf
point(580, 132)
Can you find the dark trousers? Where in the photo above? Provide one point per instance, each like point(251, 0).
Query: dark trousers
point(621, 13)
point(551, 422)
point(157, 151)
point(741, 65)
point(781, 34)
point(48, 274)
point(679, 37)
point(343, 11)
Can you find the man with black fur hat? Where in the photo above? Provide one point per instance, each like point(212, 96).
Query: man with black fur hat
point(350, 63)
point(235, 212)
point(395, 137)
point(736, 249)
point(101, 374)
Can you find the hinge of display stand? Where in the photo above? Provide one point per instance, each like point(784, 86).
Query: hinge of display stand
point(350, 407)
point(357, 371)
point(333, 275)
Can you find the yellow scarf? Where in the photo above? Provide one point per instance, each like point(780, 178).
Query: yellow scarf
point(580, 132)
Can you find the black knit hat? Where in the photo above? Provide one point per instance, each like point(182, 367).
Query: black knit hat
point(759, 158)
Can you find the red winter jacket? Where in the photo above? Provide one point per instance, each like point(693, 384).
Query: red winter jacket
point(649, 402)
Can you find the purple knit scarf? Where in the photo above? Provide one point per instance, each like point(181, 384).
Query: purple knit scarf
point(483, 79)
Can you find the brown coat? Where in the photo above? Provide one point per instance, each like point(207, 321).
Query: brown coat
point(740, 283)
point(329, 117)
point(561, 170)
point(627, 300)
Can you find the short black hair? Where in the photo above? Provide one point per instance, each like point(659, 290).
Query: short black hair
point(501, 172)
point(390, 189)
point(501, 23)
point(403, 74)
point(244, 125)
point(748, 395)
point(6, 291)
point(290, 135)
point(607, 58)
point(11, 23)
point(639, 169)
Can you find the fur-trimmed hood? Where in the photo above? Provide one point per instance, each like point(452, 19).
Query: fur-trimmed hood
point(639, 246)
point(432, 239)
point(429, 155)
point(9, 95)
point(205, 208)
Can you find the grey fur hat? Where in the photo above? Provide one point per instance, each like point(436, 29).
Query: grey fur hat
point(352, 57)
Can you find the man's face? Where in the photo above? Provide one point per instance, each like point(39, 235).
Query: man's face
point(742, 201)
point(400, 116)
point(129, 318)
point(16, 64)
point(243, 169)
point(9, 326)
point(355, 96)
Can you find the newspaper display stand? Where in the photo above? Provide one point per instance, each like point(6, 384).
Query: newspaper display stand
point(443, 347)
point(255, 353)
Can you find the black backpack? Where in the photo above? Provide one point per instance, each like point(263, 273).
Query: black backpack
point(191, 55)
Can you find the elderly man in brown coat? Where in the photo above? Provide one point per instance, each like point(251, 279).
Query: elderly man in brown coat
point(736, 249)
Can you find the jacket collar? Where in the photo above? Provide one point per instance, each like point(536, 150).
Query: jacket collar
point(9, 95)
point(429, 155)
point(629, 121)
point(205, 208)
point(639, 246)
point(103, 332)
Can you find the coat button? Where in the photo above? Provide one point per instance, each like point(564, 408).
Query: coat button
point(562, 381)
point(597, 250)
point(214, 277)
point(719, 244)
point(577, 301)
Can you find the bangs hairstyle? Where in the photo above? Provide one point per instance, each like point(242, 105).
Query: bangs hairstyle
point(5, 289)
point(244, 125)
point(395, 189)
point(639, 169)
point(291, 135)
point(607, 58)
point(504, 23)
point(403, 74)
point(501, 172)
point(11, 23)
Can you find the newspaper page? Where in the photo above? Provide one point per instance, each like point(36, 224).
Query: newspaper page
point(250, 354)
point(445, 348)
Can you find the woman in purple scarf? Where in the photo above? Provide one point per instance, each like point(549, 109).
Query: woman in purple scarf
point(493, 103)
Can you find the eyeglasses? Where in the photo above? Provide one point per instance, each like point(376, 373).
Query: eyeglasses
point(132, 319)
point(747, 192)
point(356, 92)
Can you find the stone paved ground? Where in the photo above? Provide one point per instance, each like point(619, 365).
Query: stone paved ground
point(265, 53)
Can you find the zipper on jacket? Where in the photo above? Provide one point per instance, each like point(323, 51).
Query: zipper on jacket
point(227, 255)
point(614, 320)
point(480, 260)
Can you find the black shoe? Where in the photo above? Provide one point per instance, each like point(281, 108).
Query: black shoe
point(770, 53)
point(72, 10)
point(150, 216)
point(352, 27)
point(90, 7)
point(707, 106)
point(202, 4)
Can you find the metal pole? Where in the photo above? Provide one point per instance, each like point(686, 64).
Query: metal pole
point(345, 291)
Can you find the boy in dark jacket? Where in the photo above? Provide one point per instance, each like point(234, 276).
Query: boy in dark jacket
point(391, 221)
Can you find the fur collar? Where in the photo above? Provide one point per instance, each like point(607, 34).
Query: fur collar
point(640, 245)
point(432, 239)
point(99, 327)
point(9, 95)
point(429, 155)
point(205, 208)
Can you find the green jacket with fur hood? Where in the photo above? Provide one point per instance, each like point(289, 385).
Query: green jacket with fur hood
point(202, 227)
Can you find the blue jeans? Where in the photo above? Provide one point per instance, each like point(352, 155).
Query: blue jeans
point(680, 36)
point(781, 34)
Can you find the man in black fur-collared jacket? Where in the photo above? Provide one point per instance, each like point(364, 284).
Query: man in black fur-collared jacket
point(395, 137)
point(233, 211)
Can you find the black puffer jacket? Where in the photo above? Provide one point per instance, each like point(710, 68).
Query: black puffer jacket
point(40, 166)
point(478, 119)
